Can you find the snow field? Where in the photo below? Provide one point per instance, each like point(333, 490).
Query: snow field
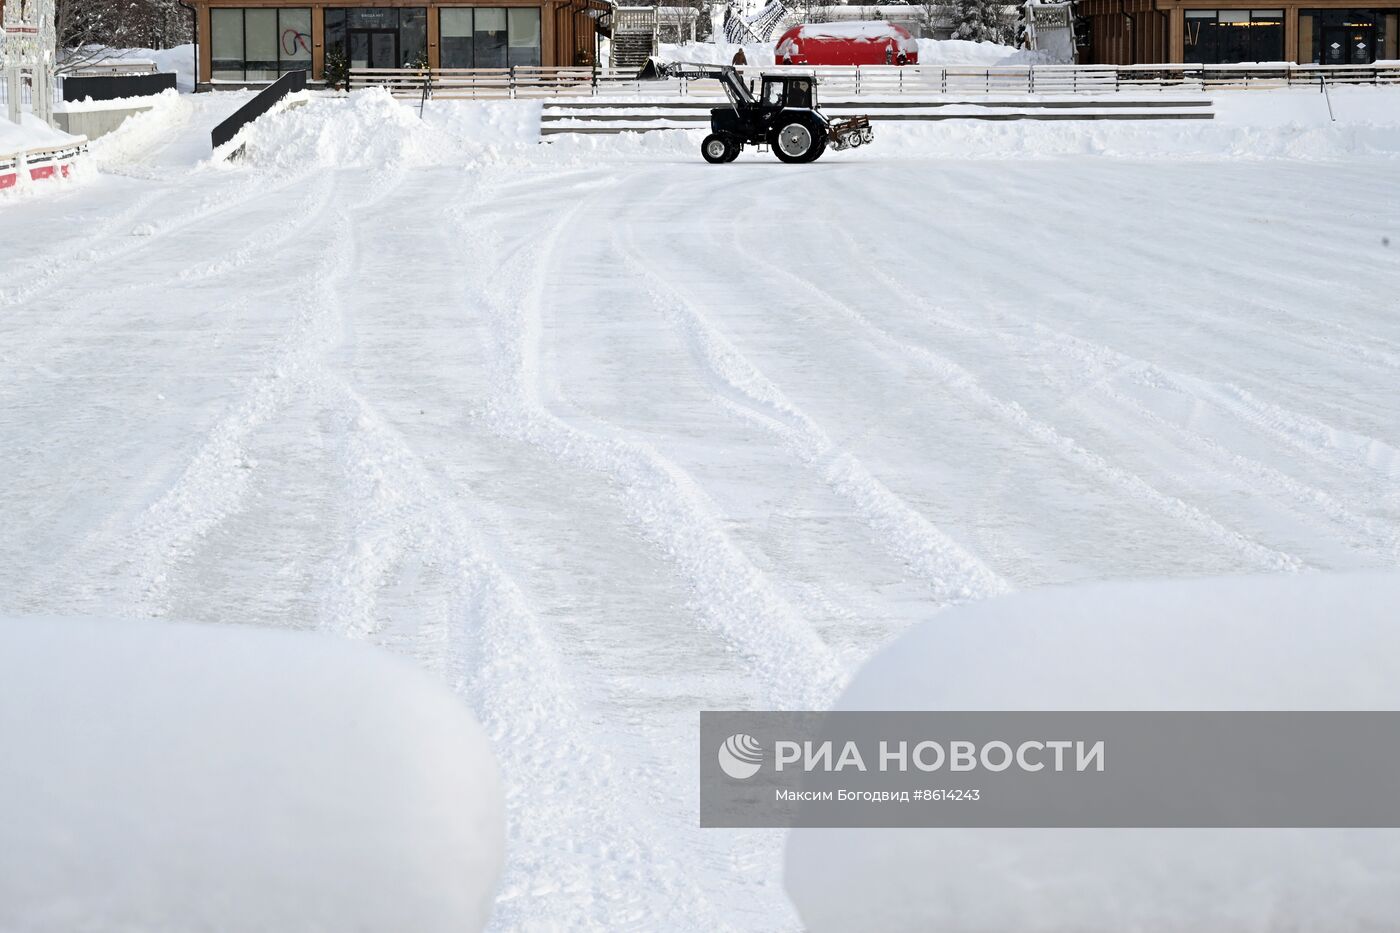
point(602, 435)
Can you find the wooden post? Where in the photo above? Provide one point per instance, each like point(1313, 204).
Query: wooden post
point(1290, 32)
point(433, 60)
point(1176, 45)
point(549, 52)
point(205, 42)
point(318, 42)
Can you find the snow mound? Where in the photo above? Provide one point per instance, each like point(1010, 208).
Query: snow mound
point(1312, 642)
point(165, 777)
point(498, 123)
point(963, 52)
point(29, 133)
point(365, 129)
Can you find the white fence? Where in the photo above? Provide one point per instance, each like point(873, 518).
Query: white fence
point(536, 82)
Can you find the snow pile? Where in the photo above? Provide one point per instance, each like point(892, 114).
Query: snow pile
point(963, 52)
point(1314, 642)
point(139, 134)
point(498, 123)
point(28, 133)
point(365, 129)
point(165, 777)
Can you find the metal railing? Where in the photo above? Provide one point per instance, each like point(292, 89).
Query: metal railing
point(264, 101)
point(634, 19)
point(540, 81)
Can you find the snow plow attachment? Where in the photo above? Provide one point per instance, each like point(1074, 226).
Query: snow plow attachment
point(850, 134)
point(651, 72)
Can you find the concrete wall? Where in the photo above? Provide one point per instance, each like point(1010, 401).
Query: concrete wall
point(94, 123)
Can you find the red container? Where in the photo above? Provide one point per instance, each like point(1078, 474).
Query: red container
point(861, 43)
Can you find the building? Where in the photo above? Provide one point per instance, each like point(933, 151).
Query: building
point(254, 41)
point(1327, 32)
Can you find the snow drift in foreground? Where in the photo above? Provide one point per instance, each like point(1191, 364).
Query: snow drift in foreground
point(1264, 643)
point(158, 776)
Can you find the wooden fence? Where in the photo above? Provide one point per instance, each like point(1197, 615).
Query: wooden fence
point(862, 80)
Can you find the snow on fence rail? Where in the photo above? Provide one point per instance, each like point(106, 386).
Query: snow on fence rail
point(40, 162)
point(540, 81)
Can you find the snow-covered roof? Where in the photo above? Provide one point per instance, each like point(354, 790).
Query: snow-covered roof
point(861, 29)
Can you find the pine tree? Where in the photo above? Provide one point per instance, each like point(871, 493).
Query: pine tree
point(979, 21)
point(336, 71)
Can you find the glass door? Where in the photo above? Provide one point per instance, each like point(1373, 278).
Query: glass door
point(1334, 46)
point(374, 48)
point(1362, 45)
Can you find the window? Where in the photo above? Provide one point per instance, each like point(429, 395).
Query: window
point(294, 30)
point(455, 37)
point(490, 44)
point(413, 37)
point(488, 37)
point(258, 44)
point(1231, 36)
point(524, 36)
point(226, 44)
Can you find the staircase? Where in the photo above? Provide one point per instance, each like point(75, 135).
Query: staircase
point(634, 36)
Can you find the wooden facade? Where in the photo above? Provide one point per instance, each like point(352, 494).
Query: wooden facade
point(568, 33)
point(1141, 32)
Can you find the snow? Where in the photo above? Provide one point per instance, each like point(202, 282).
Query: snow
point(29, 133)
point(602, 435)
point(1316, 642)
point(870, 29)
point(165, 777)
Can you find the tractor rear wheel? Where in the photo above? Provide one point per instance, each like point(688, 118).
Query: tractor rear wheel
point(797, 141)
point(717, 149)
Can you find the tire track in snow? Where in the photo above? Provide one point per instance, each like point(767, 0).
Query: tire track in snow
point(952, 572)
point(214, 483)
point(307, 211)
point(959, 379)
point(1377, 538)
point(797, 669)
point(219, 202)
point(576, 850)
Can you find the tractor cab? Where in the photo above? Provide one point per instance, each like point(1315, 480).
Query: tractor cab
point(789, 92)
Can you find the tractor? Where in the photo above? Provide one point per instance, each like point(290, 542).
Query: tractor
point(784, 116)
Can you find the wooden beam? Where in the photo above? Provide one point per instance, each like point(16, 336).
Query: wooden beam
point(1176, 40)
point(318, 39)
point(206, 66)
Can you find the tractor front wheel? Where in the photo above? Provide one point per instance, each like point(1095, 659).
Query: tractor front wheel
point(717, 149)
point(797, 142)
